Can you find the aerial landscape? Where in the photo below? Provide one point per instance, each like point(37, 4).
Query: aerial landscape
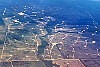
point(49, 33)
